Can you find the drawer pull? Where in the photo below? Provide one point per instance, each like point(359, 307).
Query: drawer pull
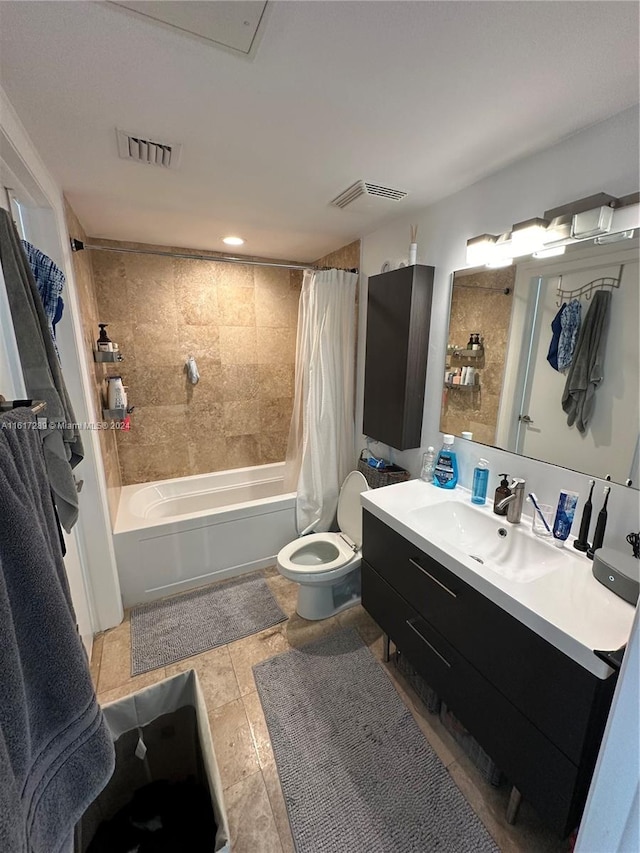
point(431, 577)
point(424, 640)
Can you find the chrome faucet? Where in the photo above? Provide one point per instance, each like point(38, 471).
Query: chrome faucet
point(514, 501)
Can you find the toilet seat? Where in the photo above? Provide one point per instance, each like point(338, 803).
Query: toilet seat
point(314, 541)
point(323, 552)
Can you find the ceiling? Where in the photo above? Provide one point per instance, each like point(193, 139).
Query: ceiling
point(426, 97)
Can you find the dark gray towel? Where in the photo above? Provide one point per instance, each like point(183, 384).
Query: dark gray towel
point(41, 369)
point(56, 753)
point(587, 368)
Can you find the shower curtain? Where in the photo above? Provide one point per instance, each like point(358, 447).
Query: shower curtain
point(320, 452)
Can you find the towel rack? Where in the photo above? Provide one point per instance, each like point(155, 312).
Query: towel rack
point(587, 290)
point(36, 406)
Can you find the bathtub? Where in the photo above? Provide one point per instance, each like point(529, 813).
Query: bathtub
point(174, 535)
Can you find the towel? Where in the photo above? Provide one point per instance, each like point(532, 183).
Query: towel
point(56, 753)
point(42, 374)
point(556, 328)
point(587, 368)
point(570, 327)
point(50, 281)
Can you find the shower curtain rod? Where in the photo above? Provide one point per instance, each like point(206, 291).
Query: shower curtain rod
point(505, 290)
point(79, 245)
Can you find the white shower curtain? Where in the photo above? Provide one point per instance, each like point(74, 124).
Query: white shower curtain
point(320, 452)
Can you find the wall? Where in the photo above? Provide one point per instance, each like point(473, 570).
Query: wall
point(486, 311)
point(89, 316)
point(346, 258)
point(238, 321)
point(602, 158)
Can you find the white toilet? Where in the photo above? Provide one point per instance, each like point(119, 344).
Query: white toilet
point(327, 565)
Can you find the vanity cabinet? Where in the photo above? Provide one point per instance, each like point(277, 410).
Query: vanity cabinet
point(535, 711)
point(398, 318)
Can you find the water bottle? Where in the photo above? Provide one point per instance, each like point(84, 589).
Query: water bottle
point(428, 464)
point(480, 480)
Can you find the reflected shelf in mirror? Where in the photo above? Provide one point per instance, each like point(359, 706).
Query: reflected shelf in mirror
point(520, 409)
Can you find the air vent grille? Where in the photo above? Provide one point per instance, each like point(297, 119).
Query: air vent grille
point(367, 192)
point(152, 153)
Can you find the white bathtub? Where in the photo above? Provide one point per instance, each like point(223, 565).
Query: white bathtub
point(174, 535)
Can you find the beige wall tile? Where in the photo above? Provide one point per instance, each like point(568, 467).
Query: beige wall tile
point(144, 463)
point(241, 417)
point(208, 453)
point(238, 345)
point(276, 380)
point(273, 446)
point(242, 451)
point(237, 305)
point(197, 306)
point(199, 341)
point(239, 382)
point(152, 300)
point(275, 415)
point(275, 346)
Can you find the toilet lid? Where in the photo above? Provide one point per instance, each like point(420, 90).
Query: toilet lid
point(349, 508)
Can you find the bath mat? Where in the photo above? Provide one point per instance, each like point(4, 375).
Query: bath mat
point(167, 631)
point(356, 771)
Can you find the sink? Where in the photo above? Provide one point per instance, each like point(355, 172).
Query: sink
point(511, 550)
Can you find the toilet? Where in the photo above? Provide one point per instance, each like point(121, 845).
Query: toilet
point(327, 565)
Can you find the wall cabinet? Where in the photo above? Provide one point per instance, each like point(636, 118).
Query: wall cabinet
point(535, 711)
point(397, 341)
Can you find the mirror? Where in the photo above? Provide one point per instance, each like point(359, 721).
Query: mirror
point(501, 389)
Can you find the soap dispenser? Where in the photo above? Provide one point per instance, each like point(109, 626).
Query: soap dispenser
point(502, 492)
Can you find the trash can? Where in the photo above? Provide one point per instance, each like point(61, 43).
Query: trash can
point(163, 751)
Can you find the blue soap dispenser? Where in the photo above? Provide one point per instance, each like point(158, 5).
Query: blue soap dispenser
point(480, 481)
point(445, 474)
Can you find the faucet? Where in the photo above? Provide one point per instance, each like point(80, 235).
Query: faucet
point(514, 501)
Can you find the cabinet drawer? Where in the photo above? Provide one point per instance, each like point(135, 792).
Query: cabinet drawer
point(566, 702)
point(543, 774)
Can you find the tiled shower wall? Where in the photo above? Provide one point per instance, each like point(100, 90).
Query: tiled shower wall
point(489, 313)
point(238, 321)
point(86, 290)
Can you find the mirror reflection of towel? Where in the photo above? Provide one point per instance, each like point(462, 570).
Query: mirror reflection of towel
point(587, 369)
point(570, 317)
point(556, 328)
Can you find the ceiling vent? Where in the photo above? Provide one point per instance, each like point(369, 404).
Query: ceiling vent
point(151, 152)
point(366, 197)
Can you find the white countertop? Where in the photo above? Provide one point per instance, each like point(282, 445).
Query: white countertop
point(568, 607)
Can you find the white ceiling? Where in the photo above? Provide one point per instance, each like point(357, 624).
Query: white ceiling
point(426, 97)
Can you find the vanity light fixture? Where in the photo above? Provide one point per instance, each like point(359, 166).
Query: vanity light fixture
point(614, 238)
point(550, 253)
point(480, 249)
point(592, 223)
point(233, 241)
point(529, 236)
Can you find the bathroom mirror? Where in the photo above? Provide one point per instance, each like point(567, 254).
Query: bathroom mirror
point(501, 387)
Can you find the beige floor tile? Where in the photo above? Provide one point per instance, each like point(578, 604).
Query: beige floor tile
point(115, 666)
point(96, 658)
point(251, 822)
point(133, 684)
point(301, 631)
point(251, 650)
point(215, 673)
point(358, 618)
point(259, 730)
point(278, 807)
point(235, 752)
point(285, 591)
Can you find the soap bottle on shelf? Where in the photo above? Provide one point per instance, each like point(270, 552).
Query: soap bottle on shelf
point(480, 480)
point(445, 474)
point(104, 343)
point(428, 465)
point(502, 492)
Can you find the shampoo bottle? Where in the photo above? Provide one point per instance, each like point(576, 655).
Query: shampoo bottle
point(104, 343)
point(445, 474)
point(480, 480)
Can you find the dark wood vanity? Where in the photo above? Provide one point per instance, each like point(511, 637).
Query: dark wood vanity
point(539, 714)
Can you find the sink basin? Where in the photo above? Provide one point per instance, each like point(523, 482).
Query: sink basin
point(511, 550)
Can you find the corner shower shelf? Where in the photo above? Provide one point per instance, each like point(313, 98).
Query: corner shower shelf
point(474, 387)
point(100, 356)
point(116, 414)
point(468, 353)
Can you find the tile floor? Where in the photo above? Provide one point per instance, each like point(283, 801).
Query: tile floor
point(253, 797)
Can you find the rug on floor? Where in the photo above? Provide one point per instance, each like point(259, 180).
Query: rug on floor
point(357, 773)
point(170, 630)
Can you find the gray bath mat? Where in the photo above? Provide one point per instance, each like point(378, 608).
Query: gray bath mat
point(356, 771)
point(167, 631)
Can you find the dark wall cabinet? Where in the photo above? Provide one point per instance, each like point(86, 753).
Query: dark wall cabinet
point(398, 318)
point(535, 711)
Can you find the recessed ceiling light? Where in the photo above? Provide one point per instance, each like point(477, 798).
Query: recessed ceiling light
point(233, 241)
